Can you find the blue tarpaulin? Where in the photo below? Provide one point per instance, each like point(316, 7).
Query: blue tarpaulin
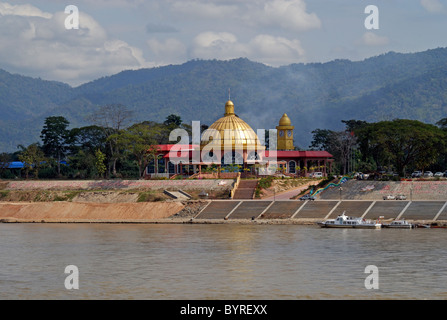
point(19, 164)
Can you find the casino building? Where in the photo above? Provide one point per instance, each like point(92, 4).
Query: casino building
point(230, 145)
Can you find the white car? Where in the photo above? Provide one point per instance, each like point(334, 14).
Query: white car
point(428, 174)
point(439, 174)
point(317, 175)
point(389, 197)
point(416, 174)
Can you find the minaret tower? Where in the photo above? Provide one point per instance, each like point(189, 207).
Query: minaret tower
point(285, 133)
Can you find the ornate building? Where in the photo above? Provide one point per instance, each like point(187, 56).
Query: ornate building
point(230, 145)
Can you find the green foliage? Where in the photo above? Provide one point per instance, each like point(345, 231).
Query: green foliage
point(32, 158)
point(99, 164)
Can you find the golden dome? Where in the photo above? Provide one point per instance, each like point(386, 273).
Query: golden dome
point(231, 127)
point(285, 120)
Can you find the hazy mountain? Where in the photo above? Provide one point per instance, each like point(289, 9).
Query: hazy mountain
point(317, 95)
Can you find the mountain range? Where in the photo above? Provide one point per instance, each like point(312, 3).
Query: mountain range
point(314, 95)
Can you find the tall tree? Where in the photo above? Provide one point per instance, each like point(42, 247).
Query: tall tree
point(55, 136)
point(139, 141)
point(112, 119)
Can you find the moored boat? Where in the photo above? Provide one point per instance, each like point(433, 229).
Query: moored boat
point(344, 221)
point(399, 224)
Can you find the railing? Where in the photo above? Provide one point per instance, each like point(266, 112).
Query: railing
point(236, 185)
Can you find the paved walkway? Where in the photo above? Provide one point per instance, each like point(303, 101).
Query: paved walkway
point(287, 194)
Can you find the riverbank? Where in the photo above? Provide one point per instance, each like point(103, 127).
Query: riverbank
point(168, 212)
point(71, 212)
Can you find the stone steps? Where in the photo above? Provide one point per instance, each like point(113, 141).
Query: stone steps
point(246, 189)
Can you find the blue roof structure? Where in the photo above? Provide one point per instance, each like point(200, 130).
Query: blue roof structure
point(19, 164)
point(15, 165)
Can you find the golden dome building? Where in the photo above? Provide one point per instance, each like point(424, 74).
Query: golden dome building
point(230, 145)
point(230, 141)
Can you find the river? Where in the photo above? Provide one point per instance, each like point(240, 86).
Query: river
point(197, 262)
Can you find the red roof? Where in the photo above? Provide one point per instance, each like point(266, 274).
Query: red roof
point(279, 154)
point(184, 147)
point(301, 154)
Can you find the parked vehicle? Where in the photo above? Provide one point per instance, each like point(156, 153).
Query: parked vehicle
point(307, 197)
point(416, 174)
point(401, 197)
point(316, 175)
point(428, 174)
point(389, 197)
point(439, 174)
point(361, 176)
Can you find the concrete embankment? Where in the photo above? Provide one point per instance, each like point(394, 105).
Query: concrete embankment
point(221, 211)
point(70, 212)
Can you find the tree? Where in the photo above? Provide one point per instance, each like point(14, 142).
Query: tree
point(5, 161)
point(112, 119)
point(139, 141)
point(88, 138)
point(99, 163)
point(321, 139)
point(173, 120)
point(404, 143)
point(32, 158)
point(55, 136)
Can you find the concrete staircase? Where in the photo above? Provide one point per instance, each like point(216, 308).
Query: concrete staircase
point(246, 189)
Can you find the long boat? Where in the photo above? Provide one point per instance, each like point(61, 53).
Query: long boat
point(344, 221)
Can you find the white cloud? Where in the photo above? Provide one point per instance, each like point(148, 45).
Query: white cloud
point(276, 50)
point(167, 51)
point(288, 14)
point(39, 45)
point(218, 45)
point(25, 10)
point(372, 39)
point(263, 48)
point(433, 6)
point(203, 9)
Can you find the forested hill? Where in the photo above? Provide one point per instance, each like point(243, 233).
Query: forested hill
point(317, 95)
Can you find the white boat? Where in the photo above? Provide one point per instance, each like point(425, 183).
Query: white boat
point(344, 221)
point(399, 224)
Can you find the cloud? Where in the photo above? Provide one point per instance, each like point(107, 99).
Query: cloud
point(160, 28)
point(433, 6)
point(372, 39)
point(167, 51)
point(203, 9)
point(276, 50)
point(288, 14)
point(25, 10)
point(218, 45)
point(263, 48)
point(37, 44)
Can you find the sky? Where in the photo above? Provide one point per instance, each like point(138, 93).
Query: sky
point(117, 35)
